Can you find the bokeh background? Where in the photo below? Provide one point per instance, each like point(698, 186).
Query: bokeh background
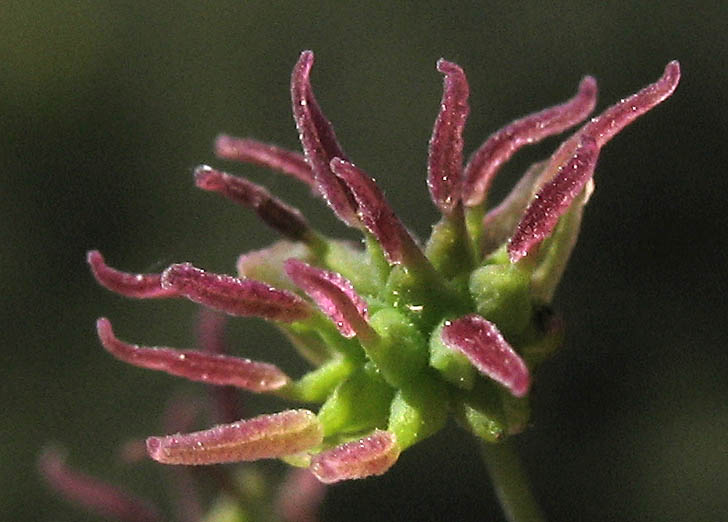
point(105, 108)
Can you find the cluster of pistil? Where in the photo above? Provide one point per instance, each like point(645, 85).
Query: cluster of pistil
point(400, 335)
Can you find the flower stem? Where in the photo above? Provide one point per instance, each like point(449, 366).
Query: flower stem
point(510, 482)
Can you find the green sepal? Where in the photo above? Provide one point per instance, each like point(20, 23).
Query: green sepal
point(377, 261)
point(400, 349)
point(299, 460)
point(460, 286)
point(418, 409)
point(307, 342)
point(517, 411)
point(360, 402)
point(423, 296)
point(474, 226)
point(266, 265)
point(406, 293)
point(448, 248)
point(554, 253)
point(365, 269)
point(337, 439)
point(453, 365)
point(318, 331)
point(546, 335)
point(500, 222)
point(481, 412)
point(502, 295)
point(499, 256)
point(484, 424)
point(317, 385)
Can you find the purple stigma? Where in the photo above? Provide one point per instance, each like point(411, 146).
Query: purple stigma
point(139, 286)
point(500, 146)
point(283, 218)
point(335, 296)
point(210, 368)
point(262, 437)
point(553, 200)
point(484, 346)
point(247, 150)
point(319, 142)
point(371, 455)
point(240, 297)
point(445, 160)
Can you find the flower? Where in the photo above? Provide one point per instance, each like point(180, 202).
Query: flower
point(400, 335)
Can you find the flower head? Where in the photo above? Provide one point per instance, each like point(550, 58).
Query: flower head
point(400, 335)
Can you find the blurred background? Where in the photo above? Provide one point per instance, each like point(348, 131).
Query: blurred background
point(106, 107)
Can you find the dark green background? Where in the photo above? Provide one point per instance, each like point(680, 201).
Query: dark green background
point(105, 107)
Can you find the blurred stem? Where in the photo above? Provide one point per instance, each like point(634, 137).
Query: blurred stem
point(510, 482)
